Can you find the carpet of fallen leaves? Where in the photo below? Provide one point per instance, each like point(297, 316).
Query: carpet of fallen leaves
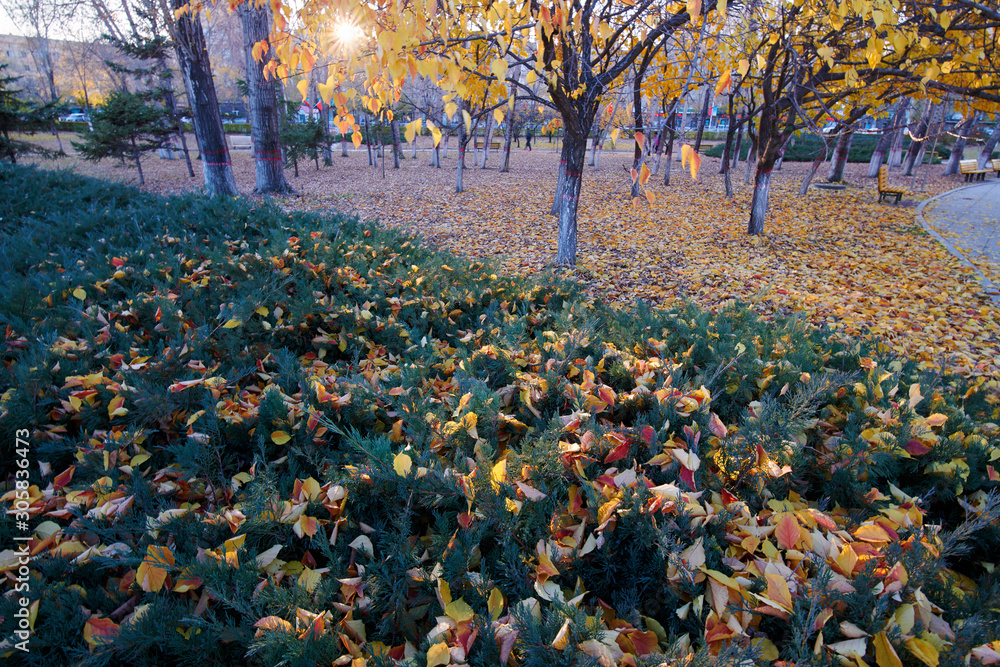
point(837, 257)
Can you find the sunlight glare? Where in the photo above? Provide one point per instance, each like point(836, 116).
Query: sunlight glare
point(346, 33)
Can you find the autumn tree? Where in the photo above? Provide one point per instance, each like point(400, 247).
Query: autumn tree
point(578, 51)
point(811, 56)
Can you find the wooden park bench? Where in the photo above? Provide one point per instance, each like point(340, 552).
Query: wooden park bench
point(884, 191)
point(970, 169)
point(996, 166)
point(237, 142)
point(495, 146)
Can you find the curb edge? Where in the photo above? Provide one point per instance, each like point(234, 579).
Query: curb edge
point(990, 289)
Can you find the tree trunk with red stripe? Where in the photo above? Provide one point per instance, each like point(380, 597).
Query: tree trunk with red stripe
point(269, 168)
point(192, 54)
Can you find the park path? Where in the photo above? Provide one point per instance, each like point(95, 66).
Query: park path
point(967, 222)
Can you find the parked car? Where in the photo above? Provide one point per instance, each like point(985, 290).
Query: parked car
point(76, 118)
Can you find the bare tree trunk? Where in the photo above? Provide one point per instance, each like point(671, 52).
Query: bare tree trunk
point(55, 131)
point(771, 141)
point(958, 150)
point(490, 124)
point(917, 140)
point(171, 103)
point(896, 151)
point(327, 140)
point(681, 130)
point(986, 153)
point(508, 139)
point(658, 148)
point(372, 160)
point(923, 145)
point(886, 140)
point(739, 145)
point(768, 143)
point(701, 119)
point(381, 147)
point(138, 162)
point(192, 55)
point(343, 145)
point(817, 162)
point(397, 150)
point(561, 181)
point(637, 119)
point(460, 169)
point(758, 206)
point(575, 152)
point(921, 154)
point(269, 168)
point(839, 161)
point(668, 158)
point(751, 159)
point(728, 150)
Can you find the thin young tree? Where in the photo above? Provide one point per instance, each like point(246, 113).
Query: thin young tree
point(125, 126)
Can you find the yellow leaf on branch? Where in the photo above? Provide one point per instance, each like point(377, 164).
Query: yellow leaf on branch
point(725, 83)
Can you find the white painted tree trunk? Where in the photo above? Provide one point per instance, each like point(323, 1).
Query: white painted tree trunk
point(269, 169)
point(490, 125)
point(958, 150)
point(751, 159)
point(816, 164)
point(192, 55)
point(990, 145)
point(840, 153)
point(507, 141)
point(758, 207)
point(557, 199)
point(570, 199)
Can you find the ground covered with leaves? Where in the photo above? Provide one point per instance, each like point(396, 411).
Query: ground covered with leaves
point(259, 437)
point(838, 258)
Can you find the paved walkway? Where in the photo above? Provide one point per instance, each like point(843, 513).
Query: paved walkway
point(967, 222)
